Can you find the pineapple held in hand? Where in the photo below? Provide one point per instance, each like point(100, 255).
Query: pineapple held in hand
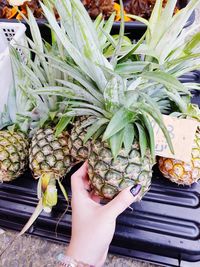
point(180, 172)
point(118, 128)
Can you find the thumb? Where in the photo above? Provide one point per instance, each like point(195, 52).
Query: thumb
point(123, 200)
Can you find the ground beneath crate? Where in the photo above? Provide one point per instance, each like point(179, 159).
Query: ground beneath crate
point(29, 251)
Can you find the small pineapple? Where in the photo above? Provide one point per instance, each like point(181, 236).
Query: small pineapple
point(49, 160)
point(180, 172)
point(49, 153)
point(14, 127)
point(179, 57)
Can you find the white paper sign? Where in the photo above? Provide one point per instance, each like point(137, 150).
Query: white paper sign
point(182, 133)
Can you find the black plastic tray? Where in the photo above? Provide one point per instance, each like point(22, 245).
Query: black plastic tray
point(163, 228)
point(133, 30)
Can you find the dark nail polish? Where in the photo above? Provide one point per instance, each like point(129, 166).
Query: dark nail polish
point(135, 189)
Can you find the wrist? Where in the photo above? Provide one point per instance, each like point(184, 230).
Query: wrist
point(66, 261)
point(82, 254)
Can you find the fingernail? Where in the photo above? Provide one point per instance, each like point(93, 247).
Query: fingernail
point(135, 189)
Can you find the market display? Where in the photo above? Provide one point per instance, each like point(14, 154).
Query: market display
point(93, 96)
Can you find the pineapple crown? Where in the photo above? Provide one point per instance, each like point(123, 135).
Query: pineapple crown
point(121, 107)
point(16, 111)
point(192, 111)
point(36, 73)
point(166, 47)
point(166, 41)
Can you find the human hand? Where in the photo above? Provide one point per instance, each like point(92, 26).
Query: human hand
point(93, 224)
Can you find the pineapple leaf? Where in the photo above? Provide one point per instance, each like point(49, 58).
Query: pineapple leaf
point(120, 119)
point(83, 112)
point(133, 49)
point(114, 58)
point(32, 219)
point(128, 138)
point(142, 139)
point(105, 31)
point(99, 132)
point(152, 112)
point(127, 68)
point(63, 190)
point(165, 79)
point(94, 128)
point(76, 74)
point(154, 19)
point(62, 124)
point(194, 42)
point(116, 143)
point(173, 30)
point(149, 127)
point(91, 106)
point(78, 90)
point(112, 94)
point(98, 21)
point(35, 32)
point(140, 19)
point(88, 67)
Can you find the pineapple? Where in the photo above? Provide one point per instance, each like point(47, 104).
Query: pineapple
point(49, 155)
point(49, 160)
point(121, 136)
point(180, 172)
point(108, 176)
point(14, 128)
point(78, 149)
point(13, 154)
point(180, 56)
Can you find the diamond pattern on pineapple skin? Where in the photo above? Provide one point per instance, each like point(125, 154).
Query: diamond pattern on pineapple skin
point(108, 176)
point(13, 154)
point(51, 154)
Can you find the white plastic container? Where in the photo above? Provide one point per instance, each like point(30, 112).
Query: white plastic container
point(10, 34)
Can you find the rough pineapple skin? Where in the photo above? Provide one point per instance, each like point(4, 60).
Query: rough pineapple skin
point(179, 171)
point(78, 150)
point(49, 154)
point(14, 148)
point(108, 176)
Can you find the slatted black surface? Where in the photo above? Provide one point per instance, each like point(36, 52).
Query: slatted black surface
point(163, 227)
